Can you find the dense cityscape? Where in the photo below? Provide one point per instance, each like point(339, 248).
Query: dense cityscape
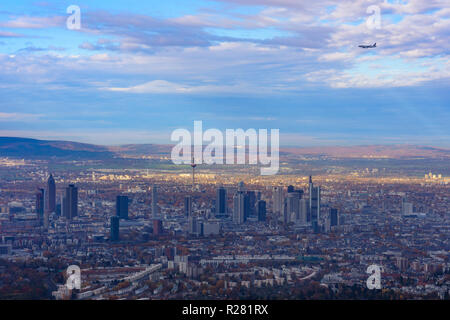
point(224, 158)
point(153, 234)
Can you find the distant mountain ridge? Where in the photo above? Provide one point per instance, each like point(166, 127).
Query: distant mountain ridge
point(372, 151)
point(33, 148)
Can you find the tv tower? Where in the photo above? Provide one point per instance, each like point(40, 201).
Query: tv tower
point(193, 165)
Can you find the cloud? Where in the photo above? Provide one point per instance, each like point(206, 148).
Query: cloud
point(5, 34)
point(380, 78)
point(21, 117)
point(166, 87)
point(29, 22)
point(212, 50)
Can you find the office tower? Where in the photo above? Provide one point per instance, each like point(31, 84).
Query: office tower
point(46, 219)
point(334, 218)
point(40, 203)
point(293, 207)
point(122, 207)
point(247, 206)
point(277, 200)
point(114, 228)
point(221, 202)
point(193, 225)
point(64, 208)
point(314, 202)
point(51, 194)
point(71, 202)
point(157, 227)
point(154, 202)
point(58, 209)
point(45, 200)
point(239, 208)
point(261, 210)
point(304, 206)
point(284, 216)
point(251, 204)
point(315, 226)
point(187, 206)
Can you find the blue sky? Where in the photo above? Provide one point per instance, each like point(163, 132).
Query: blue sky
point(137, 70)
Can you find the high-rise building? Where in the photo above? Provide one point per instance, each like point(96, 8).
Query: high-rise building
point(187, 206)
point(122, 207)
point(314, 202)
point(239, 208)
point(70, 204)
point(58, 209)
point(193, 225)
point(157, 227)
point(46, 219)
point(221, 202)
point(293, 206)
point(251, 204)
point(114, 228)
point(51, 194)
point(154, 202)
point(277, 200)
point(40, 203)
point(261, 209)
point(334, 218)
point(304, 207)
point(64, 207)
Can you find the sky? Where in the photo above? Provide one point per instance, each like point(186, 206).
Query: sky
point(137, 70)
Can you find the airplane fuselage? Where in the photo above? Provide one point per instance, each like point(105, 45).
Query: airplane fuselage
point(368, 47)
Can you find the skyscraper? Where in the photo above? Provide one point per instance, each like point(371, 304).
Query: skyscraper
point(221, 201)
point(114, 229)
point(277, 199)
point(334, 219)
point(122, 207)
point(251, 204)
point(293, 206)
point(304, 207)
point(154, 202)
point(193, 225)
point(239, 208)
point(40, 204)
point(261, 208)
point(51, 194)
point(187, 206)
point(71, 202)
point(46, 219)
point(157, 227)
point(314, 202)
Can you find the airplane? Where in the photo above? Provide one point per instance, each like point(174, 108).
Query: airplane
point(369, 46)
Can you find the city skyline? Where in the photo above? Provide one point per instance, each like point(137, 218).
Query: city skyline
point(253, 153)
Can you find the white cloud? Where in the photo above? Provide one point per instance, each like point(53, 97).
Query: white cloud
point(22, 117)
